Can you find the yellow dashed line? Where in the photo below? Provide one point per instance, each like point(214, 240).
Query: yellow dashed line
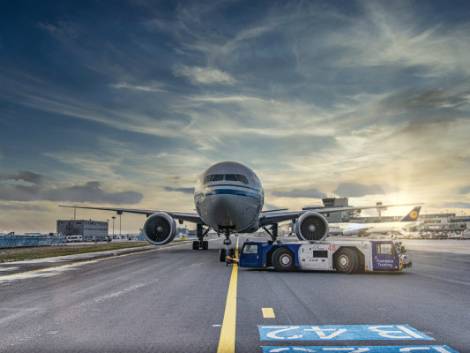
point(268, 313)
point(228, 333)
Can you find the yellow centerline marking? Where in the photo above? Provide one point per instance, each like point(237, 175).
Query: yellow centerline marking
point(228, 332)
point(268, 313)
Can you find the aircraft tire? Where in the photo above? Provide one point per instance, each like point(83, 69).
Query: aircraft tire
point(283, 260)
point(205, 245)
point(346, 261)
point(195, 245)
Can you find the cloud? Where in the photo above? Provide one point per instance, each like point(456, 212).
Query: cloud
point(179, 189)
point(427, 99)
point(92, 192)
point(204, 75)
point(271, 206)
point(26, 176)
point(426, 105)
point(8, 207)
point(301, 192)
point(126, 114)
point(154, 87)
point(61, 29)
point(396, 36)
point(456, 205)
point(464, 190)
point(30, 186)
point(358, 190)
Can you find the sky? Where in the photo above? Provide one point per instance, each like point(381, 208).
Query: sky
point(127, 102)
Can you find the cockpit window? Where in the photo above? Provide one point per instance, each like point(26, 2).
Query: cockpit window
point(213, 177)
point(227, 177)
point(236, 177)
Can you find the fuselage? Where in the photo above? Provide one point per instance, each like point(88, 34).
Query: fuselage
point(229, 197)
point(366, 228)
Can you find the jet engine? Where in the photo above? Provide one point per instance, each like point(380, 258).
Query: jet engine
point(311, 226)
point(159, 228)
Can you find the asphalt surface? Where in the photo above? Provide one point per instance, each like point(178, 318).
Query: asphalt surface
point(173, 300)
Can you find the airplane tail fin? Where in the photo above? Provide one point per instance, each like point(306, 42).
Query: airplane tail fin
point(412, 216)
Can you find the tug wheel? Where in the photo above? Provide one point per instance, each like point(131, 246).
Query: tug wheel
point(283, 260)
point(346, 261)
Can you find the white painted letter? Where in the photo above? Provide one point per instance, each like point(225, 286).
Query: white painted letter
point(390, 333)
point(274, 334)
point(322, 333)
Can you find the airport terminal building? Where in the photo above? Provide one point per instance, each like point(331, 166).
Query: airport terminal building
point(89, 230)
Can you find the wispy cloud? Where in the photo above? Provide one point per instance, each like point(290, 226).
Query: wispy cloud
point(300, 193)
point(23, 176)
point(204, 75)
point(184, 190)
point(358, 190)
point(153, 87)
point(389, 35)
point(30, 186)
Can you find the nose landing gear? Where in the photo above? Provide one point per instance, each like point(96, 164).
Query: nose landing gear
point(227, 251)
point(201, 243)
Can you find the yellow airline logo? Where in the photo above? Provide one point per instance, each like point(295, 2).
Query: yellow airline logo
point(413, 215)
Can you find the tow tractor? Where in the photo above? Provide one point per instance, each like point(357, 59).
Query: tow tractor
point(346, 255)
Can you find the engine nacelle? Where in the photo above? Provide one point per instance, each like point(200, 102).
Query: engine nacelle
point(159, 228)
point(311, 226)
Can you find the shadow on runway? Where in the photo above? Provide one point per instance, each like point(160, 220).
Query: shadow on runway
point(381, 273)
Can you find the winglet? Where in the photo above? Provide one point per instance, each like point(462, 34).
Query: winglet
point(412, 216)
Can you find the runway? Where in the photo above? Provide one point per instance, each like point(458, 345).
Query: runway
point(173, 300)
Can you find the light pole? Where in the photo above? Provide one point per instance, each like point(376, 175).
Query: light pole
point(114, 217)
point(120, 216)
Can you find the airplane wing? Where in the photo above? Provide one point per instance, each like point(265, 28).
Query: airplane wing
point(275, 210)
point(281, 216)
point(188, 217)
point(348, 228)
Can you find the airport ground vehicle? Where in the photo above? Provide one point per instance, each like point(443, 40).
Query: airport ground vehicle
point(74, 238)
point(333, 254)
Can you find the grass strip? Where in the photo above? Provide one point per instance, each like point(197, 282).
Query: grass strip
point(20, 254)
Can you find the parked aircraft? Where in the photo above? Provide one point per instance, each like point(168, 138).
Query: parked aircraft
point(409, 221)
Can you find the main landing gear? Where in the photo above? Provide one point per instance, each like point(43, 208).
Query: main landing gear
point(272, 231)
point(201, 243)
point(227, 250)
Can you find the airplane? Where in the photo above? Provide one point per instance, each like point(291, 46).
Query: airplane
point(229, 199)
point(410, 220)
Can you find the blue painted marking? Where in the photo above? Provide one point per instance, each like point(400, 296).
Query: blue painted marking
point(233, 192)
point(235, 185)
point(359, 349)
point(340, 333)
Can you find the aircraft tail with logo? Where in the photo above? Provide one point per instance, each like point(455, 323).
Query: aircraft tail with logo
point(412, 216)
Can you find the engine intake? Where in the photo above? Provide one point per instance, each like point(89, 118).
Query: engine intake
point(311, 226)
point(159, 228)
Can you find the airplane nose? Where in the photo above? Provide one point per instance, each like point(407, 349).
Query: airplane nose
point(223, 210)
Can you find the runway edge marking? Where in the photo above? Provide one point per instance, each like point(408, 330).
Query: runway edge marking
point(228, 333)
